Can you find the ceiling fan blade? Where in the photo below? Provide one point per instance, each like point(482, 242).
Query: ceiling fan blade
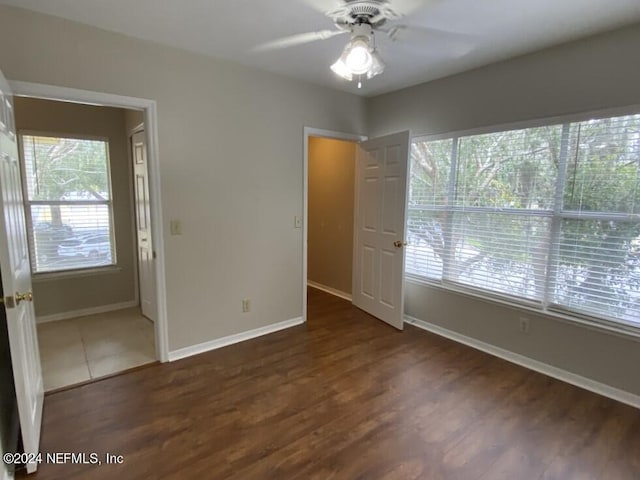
point(402, 32)
point(298, 39)
point(460, 43)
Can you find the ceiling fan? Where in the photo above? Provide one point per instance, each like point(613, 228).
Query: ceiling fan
point(362, 19)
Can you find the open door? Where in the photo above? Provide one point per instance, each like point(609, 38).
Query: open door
point(380, 206)
point(16, 281)
point(146, 254)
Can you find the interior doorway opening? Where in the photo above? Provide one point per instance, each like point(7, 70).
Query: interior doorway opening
point(330, 215)
point(77, 166)
point(139, 115)
point(379, 223)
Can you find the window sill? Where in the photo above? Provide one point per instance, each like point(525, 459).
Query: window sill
point(86, 272)
point(603, 325)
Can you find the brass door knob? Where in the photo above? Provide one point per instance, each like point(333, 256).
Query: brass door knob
point(23, 296)
point(399, 244)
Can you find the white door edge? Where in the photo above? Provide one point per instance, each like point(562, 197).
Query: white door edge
point(382, 175)
point(144, 242)
point(149, 107)
point(314, 132)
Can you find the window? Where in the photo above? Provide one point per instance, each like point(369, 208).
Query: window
point(547, 216)
point(67, 192)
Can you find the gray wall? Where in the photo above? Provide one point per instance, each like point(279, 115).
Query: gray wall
point(599, 72)
point(67, 294)
point(231, 141)
point(591, 74)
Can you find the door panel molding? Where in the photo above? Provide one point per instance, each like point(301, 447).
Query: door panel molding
point(379, 226)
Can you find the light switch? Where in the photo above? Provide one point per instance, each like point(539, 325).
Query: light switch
point(175, 227)
point(297, 221)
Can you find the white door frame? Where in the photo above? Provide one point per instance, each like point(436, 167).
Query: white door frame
point(50, 92)
point(314, 132)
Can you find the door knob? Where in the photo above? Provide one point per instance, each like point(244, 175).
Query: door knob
point(399, 244)
point(23, 296)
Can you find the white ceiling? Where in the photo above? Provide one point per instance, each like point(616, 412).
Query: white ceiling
point(228, 29)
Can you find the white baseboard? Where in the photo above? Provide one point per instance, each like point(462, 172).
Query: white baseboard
point(540, 367)
point(86, 311)
point(332, 291)
point(231, 339)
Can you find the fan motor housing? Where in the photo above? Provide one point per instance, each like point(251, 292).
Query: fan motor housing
point(372, 12)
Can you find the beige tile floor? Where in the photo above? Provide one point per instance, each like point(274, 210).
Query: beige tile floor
point(84, 348)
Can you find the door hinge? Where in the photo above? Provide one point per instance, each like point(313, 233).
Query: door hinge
point(8, 302)
point(153, 255)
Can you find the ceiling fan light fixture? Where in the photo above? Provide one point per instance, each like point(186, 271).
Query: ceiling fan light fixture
point(377, 65)
point(341, 69)
point(359, 58)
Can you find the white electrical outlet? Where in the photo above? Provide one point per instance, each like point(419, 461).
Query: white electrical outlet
point(524, 325)
point(246, 305)
point(297, 221)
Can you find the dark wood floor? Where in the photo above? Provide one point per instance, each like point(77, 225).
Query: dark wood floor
point(342, 397)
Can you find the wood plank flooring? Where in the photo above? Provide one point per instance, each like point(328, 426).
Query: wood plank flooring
point(342, 397)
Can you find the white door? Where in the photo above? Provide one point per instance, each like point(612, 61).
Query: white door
point(16, 284)
point(146, 255)
point(380, 205)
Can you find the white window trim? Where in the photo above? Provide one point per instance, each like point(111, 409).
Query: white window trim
point(545, 308)
point(77, 272)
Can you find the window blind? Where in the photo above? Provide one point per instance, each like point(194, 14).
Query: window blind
point(597, 262)
point(427, 201)
point(547, 215)
point(68, 196)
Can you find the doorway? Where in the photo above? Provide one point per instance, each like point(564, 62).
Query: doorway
point(76, 179)
point(154, 334)
point(329, 182)
point(331, 214)
point(379, 215)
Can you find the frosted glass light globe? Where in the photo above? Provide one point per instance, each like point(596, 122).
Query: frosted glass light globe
point(359, 58)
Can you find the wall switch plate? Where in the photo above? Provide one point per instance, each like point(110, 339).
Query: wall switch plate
point(246, 305)
point(524, 325)
point(175, 227)
point(297, 221)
